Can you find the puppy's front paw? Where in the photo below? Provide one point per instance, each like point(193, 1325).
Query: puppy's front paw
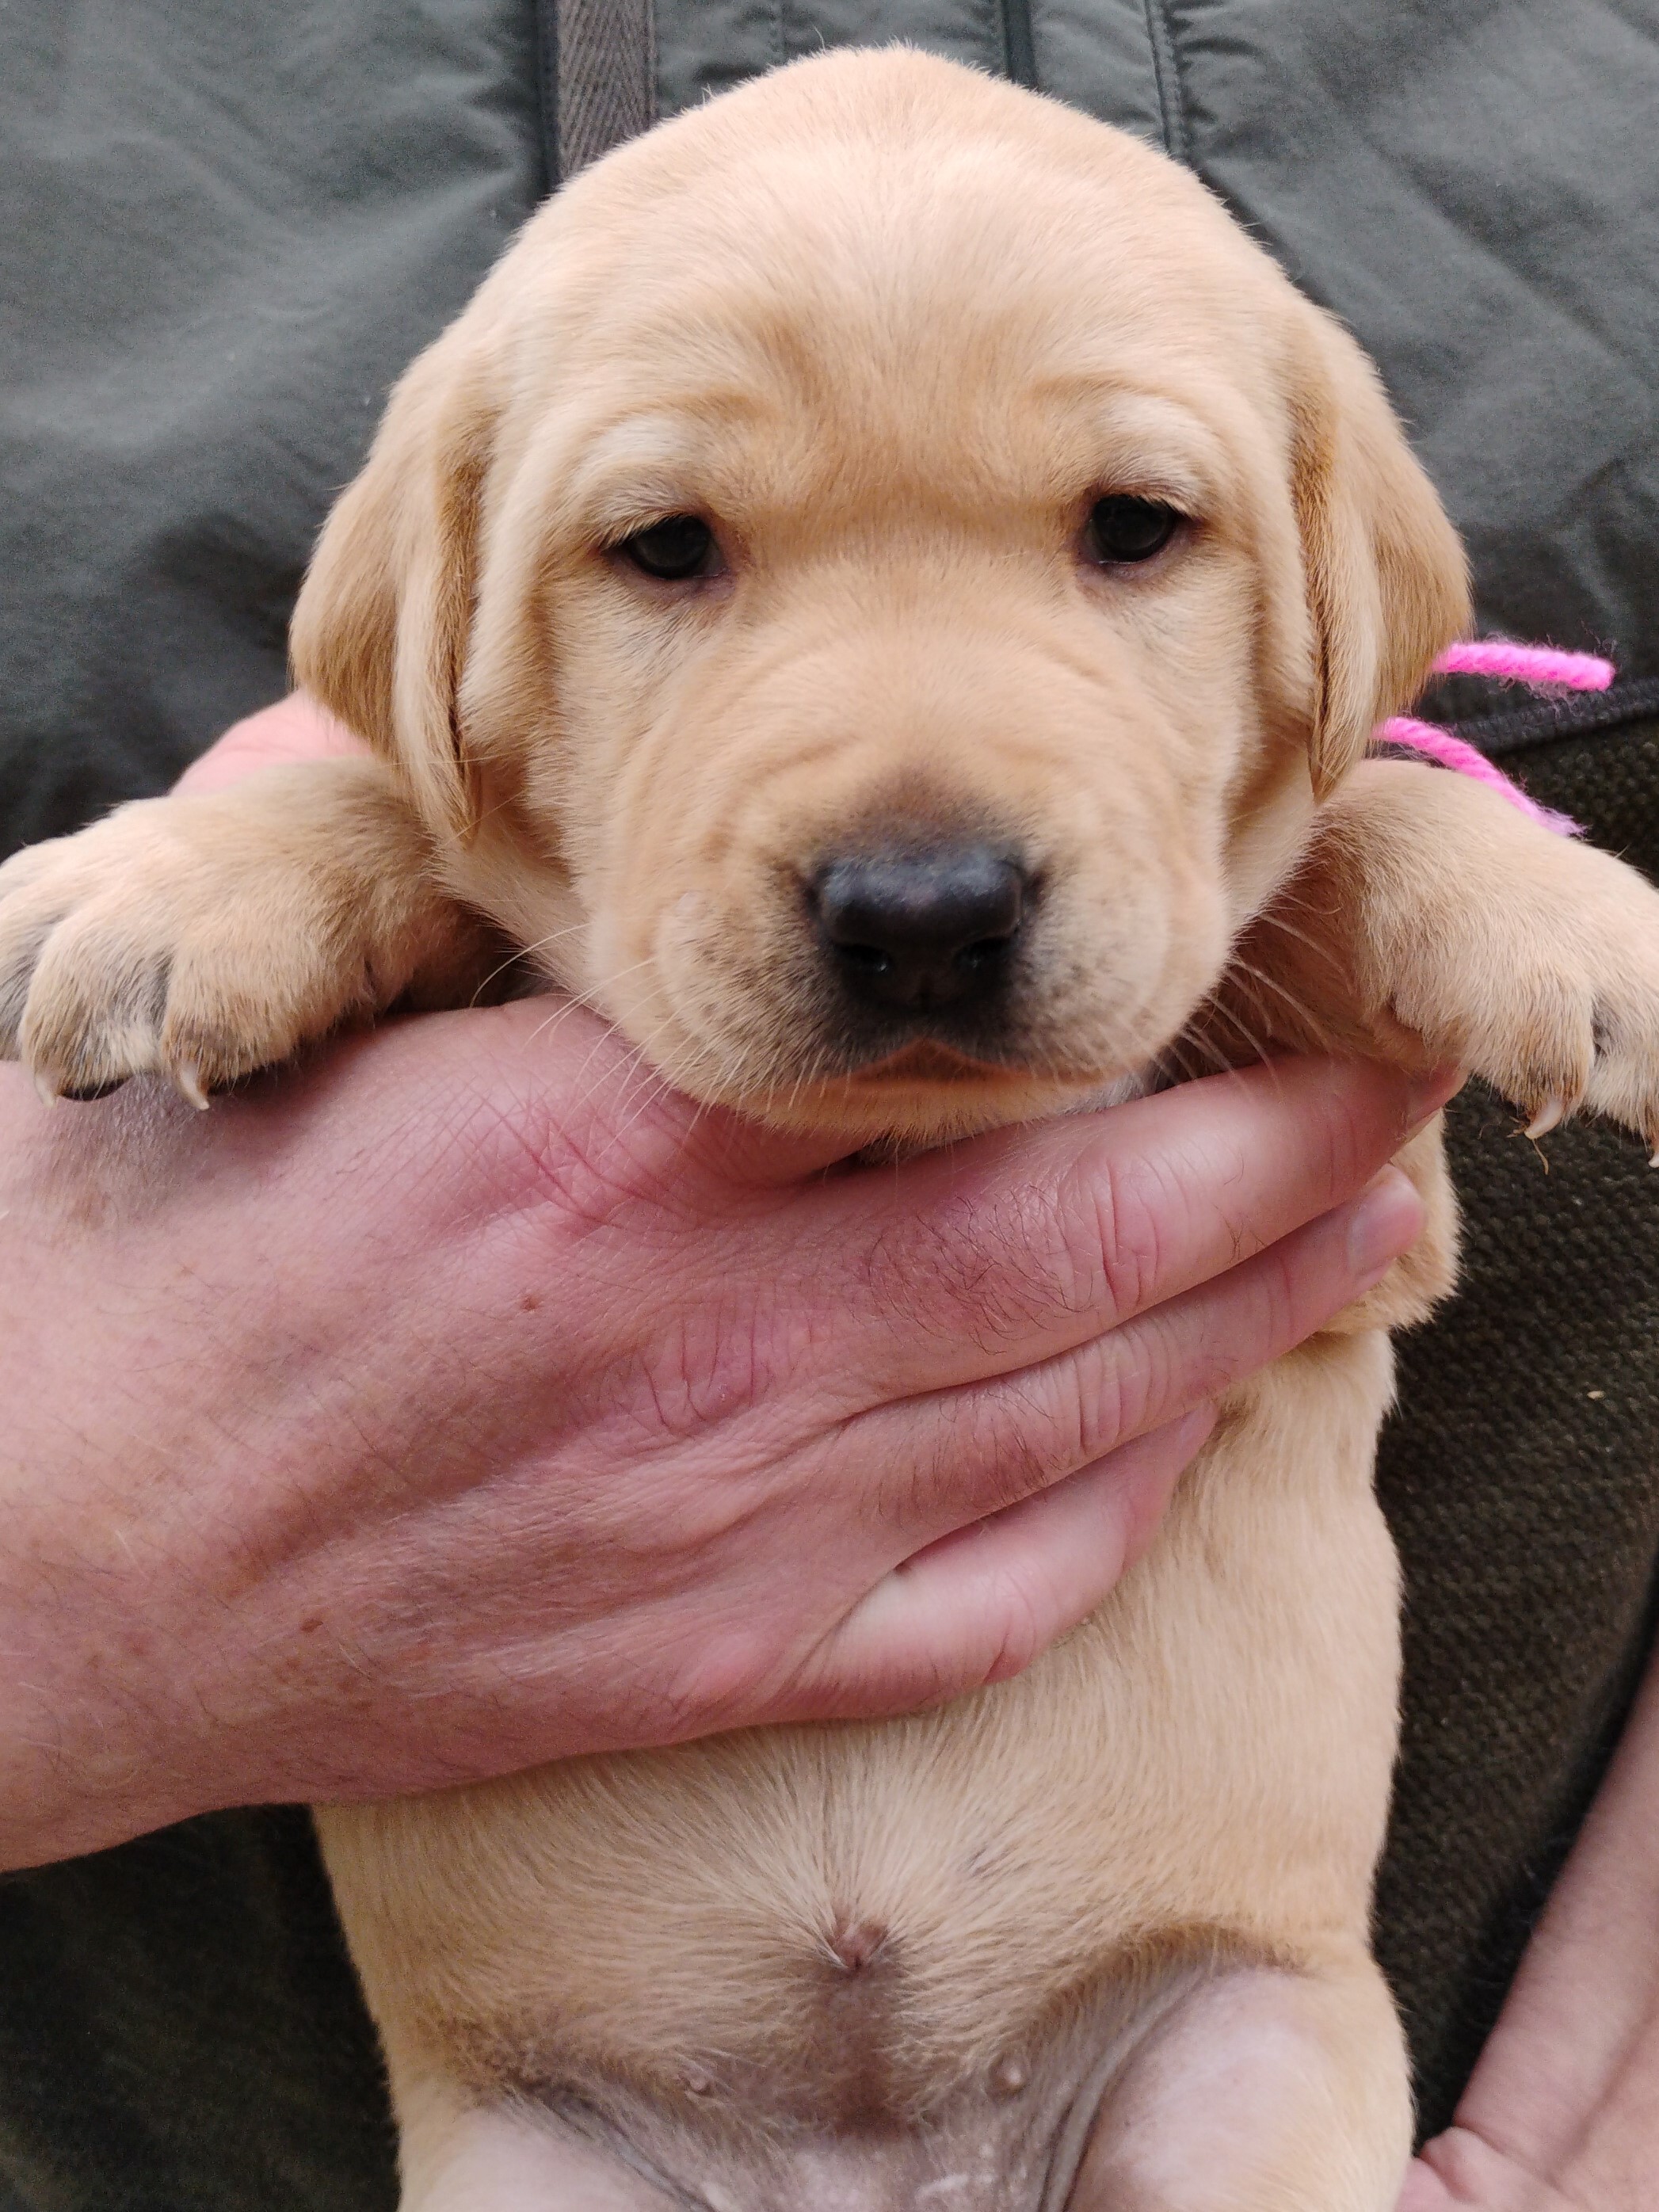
point(1556, 997)
point(136, 948)
point(199, 939)
point(1622, 1080)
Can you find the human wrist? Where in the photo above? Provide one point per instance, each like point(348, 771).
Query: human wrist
point(88, 1721)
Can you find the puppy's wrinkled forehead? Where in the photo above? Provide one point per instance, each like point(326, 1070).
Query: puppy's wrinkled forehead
point(874, 317)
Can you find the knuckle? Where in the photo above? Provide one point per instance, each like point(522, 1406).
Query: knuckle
point(603, 1154)
point(1005, 1443)
point(1271, 1311)
point(1090, 1404)
point(1121, 1210)
point(1022, 1633)
point(986, 1271)
point(1164, 1366)
point(565, 1161)
point(1296, 1296)
point(706, 1367)
point(1351, 1128)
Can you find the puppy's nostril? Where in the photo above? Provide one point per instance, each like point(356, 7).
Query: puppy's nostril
point(915, 930)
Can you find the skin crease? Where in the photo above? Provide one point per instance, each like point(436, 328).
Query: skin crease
point(1561, 2114)
point(186, 1630)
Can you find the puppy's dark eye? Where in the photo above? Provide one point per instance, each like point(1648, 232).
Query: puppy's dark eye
point(1121, 529)
point(680, 545)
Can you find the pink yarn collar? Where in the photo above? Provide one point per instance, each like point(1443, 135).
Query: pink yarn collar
point(1540, 668)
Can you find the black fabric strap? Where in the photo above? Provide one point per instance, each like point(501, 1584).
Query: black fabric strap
point(1019, 51)
point(598, 78)
point(1548, 720)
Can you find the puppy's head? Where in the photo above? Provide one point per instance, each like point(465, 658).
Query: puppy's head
point(877, 584)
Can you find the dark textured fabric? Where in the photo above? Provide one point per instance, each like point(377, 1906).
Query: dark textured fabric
point(1521, 1476)
point(179, 2032)
point(1546, 721)
point(1474, 189)
point(226, 226)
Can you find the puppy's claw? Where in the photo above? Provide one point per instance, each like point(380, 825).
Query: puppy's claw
point(188, 1077)
point(47, 1087)
point(1547, 1117)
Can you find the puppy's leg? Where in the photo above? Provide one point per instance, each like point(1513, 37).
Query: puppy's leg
point(460, 2155)
point(1262, 2091)
point(1433, 917)
point(202, 937)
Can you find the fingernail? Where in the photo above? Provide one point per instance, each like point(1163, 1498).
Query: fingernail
point(1384, 1222)
point(1427, 1092)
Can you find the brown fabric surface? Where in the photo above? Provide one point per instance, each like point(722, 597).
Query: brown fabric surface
point(1526, 1510)
point(180, 2032)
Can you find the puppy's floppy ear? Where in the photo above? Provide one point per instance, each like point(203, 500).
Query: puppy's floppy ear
point(380, 631)
point(1385, 575)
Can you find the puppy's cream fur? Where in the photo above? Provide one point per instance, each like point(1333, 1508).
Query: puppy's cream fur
point(1097, 1936)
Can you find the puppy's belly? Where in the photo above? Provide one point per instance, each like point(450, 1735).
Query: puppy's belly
point(865, 1920)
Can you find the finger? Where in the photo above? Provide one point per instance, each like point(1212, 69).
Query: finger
point(1460, 2167)
point(980, 1605)
point(977, 1448)
point(292, 729)
point(990, 1253)
point(1023, 1245)
point(1423, 2191)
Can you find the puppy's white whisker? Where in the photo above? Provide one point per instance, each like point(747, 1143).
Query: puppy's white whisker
point(526, 952)
point(1298, 1007)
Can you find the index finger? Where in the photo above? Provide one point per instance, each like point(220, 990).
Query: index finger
point(1015, 1246)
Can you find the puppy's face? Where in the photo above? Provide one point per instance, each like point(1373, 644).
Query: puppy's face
point(874, 587)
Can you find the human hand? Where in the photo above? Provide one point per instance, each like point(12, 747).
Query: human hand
point(1562, 2112)
point(1460, 2169)
point(462, 1399)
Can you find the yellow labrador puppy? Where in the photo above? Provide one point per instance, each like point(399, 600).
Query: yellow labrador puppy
point(886, 590)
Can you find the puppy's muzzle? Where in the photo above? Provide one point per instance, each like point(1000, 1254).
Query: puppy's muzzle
point(914, 931)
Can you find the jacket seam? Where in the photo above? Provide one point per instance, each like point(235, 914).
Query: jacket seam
point(1019, 43)
point(1166, 69)
point(547, 89)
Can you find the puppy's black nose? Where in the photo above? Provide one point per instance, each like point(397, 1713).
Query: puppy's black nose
point(922, 929)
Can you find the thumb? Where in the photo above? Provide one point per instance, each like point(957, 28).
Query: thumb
point(980, 1605)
